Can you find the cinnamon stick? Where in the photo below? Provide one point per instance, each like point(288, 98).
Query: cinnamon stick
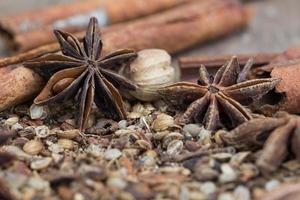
point(31, 29)
point(19, 85)
point(259, 59)
point(288, 87)
point(179, 28)
point(4, 70)
point(286, 66)
point(167, 30)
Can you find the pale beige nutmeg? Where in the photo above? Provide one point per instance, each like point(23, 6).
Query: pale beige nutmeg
point(151, 70)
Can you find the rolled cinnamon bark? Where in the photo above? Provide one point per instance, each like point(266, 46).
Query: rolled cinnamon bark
point(193, 62)
point(190, 64)
point(19, 85)
point(286, 67)
point(179, 28)
point(288, 87)
point(288, 55)
point(173, 30)
point(4, 71)
point(34, 28)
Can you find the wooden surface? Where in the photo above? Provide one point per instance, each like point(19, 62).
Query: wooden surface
point(275, 27)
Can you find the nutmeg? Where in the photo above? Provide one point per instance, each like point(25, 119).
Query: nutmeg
point(151, 70)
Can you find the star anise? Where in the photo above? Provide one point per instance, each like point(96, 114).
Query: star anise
point(80, 73)
point(217, 101)
point(279, 136)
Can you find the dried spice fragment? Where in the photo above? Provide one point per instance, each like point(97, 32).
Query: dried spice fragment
point(33, 28)
point(285, 192)
point(18, 85)
point(5, 192)
point(103, 127)
point(82, 74)
point(279, 136)
point(250, 134)
point(286, 96)
point(224, 16)
point(6, 158)
point(202, 153)
point(218, 101)
point(289, 54)
point(6, 135)
point(214, 61)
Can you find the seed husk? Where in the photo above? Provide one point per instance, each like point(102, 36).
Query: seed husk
point(62, 84)
point(68, 134)
point(33, 147)
point(162, 122)
point(66, 143)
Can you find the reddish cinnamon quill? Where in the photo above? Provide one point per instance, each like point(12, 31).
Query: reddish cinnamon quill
point(167, 30)
point(34, 28)
point(259, 59)
point(18, 86)
point(287, 68)
point(190, 64)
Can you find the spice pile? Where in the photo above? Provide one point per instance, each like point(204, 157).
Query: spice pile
point(119, 126)
point(147, 156)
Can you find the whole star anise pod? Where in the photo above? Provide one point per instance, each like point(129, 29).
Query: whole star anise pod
point(217, 101)
point(80, 73)
point(279, 136)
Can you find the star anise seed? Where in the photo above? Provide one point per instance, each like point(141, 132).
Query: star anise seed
point(217, 101)
point(80, 73)
point(279, 136)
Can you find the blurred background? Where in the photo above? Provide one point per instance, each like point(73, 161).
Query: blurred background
point(275, 27)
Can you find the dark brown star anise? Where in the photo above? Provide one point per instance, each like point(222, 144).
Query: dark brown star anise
point(216, 101)
point(279, 136)
point(80, 73)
